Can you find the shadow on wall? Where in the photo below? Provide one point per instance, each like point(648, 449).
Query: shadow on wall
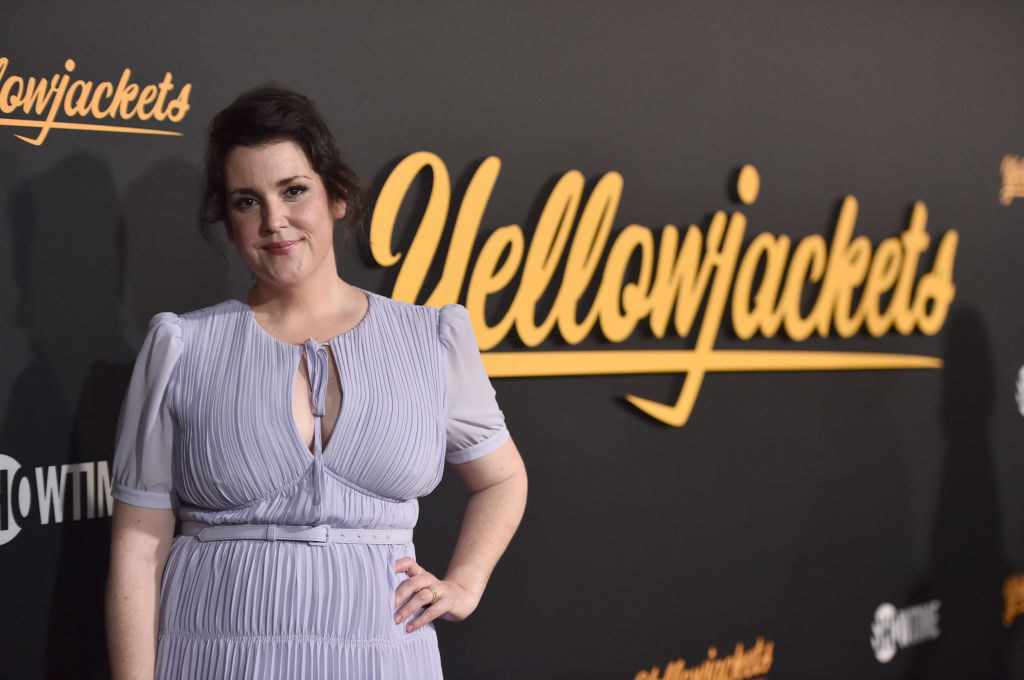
point(168, 266)
point(68, 252)
point(854, 542)
point(967, 562)
point(13, 338)
point(87, 275)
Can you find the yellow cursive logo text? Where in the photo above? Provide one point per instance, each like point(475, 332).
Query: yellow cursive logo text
point(762, 286)
point(40, 100)
point(740, 665)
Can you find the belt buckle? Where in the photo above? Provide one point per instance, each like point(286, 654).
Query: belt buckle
point(326, 535)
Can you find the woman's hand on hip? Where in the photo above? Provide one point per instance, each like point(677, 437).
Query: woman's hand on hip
point(451, 601)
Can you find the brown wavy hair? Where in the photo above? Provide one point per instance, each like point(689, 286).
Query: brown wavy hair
point(268, 114)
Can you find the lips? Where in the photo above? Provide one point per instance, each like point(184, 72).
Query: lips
point(280, 247)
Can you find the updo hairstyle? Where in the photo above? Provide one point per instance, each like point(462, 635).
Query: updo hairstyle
point(272, 114)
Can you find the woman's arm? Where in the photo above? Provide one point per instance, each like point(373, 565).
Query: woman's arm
point(497, 488)
point(140, 541)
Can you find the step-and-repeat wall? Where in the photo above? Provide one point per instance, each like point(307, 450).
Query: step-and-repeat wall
point(745, 275)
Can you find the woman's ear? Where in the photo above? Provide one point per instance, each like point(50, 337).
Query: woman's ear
point(338, 208)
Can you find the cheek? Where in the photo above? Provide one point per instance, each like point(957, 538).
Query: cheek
point(241, 228)
point(311, 213)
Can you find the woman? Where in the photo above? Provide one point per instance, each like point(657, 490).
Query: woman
point(291, 431)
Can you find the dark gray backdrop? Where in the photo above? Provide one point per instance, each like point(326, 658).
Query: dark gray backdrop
point(789, 507)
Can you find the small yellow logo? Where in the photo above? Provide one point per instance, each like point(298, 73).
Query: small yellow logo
point(1012, 169)
point(1013, 596)
point(742, 664)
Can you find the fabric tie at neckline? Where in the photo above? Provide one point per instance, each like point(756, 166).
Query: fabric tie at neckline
point(316, 364)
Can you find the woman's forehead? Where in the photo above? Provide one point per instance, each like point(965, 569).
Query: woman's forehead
point(265, 164)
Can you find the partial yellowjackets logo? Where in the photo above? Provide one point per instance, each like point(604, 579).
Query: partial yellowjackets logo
point(1013, 598)
point(742, 664)
point(66, 103)
point(1012, 170)
point(761, 284)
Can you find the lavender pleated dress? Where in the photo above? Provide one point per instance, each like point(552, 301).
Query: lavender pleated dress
point(207, 429)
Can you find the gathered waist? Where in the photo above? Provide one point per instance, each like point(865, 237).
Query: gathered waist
point(321, 534)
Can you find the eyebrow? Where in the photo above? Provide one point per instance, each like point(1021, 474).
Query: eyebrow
point(280, 183)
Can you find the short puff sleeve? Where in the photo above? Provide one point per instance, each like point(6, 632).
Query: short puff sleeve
point(145, 429)
point(475, 426)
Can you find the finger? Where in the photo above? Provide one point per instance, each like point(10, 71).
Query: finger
point(430, 613)
point(411, 585)
point(419, 600)
point(409, 566)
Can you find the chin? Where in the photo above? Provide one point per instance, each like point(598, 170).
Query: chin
point(279, 269)
point(282, 281)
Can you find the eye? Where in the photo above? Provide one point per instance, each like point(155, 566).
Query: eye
point(295, 190)
point(244, 203)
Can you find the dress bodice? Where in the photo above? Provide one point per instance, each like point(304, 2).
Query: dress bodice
point(415, 394)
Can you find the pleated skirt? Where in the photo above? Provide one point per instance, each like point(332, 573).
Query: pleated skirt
point(261, 609)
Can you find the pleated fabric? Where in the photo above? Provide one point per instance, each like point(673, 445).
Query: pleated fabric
point(207, 428)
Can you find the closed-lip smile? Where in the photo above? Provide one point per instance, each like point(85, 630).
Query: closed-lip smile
point(280, 247)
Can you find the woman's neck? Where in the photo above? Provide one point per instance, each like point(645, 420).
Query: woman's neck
point(319, 309)
point(308, 300)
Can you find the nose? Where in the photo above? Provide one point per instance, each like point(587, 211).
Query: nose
point(274, 217)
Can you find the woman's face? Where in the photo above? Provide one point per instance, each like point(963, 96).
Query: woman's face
point(280, 217)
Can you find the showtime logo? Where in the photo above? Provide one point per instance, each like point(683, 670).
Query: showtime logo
point(895, 629)
point(42, 494)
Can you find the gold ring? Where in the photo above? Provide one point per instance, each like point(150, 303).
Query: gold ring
point(435, 596)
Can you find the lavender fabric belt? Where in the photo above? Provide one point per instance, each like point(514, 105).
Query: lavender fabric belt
point(275, 532)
